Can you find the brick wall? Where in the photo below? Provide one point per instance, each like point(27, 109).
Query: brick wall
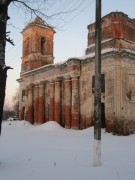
point(37, 45)
point(115, 26)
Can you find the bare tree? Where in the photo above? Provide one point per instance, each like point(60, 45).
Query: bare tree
point(4, 37)
point(15, 101)
point(7, 110)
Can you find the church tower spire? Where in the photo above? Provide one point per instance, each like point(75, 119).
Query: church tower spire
point(37, 45)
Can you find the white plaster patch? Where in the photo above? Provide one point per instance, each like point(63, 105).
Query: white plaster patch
point(97, 153)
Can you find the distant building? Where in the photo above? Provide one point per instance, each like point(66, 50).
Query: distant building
point(65, 92)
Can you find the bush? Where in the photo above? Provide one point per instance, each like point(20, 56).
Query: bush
point(121, 128)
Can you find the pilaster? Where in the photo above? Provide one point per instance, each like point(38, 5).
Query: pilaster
point(30, 104)
point(52, 101)
point(47, 101)
point(57, 107)
point(75, 103)
point(26, 103)
point(68, 103)
point(36, 103)
point(41, 118)
point(21, 114)
point(118, 90)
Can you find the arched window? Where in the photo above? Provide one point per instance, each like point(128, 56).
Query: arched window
point(42, 45)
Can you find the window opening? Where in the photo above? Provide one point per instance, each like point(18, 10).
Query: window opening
point(42, 45)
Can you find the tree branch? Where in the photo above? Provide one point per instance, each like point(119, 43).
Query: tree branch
point(33, 10)
point(5, 2)
point(8, 38)
point(38, 11)
point(7, 67)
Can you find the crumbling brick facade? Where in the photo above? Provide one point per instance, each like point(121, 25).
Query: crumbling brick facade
point(65, 92)
point(37, 45)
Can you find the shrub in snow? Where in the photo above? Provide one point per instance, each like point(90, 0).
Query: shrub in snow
point(121, 128)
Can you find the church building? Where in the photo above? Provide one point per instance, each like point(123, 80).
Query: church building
point(64, 92)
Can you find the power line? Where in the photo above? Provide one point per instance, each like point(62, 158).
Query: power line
point(73, 17)
point(82, 10)
point(73, 8)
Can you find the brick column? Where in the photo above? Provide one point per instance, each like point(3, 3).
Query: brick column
point(63, 103)
point(51, 101)
point(68, 103)
point(47, 101)
point(75, 104)
point(26, 104)
point(41, 118)
point(30, 104)
point(36, 102)
point(21, 114)
point(21, 106)
point(57, 102)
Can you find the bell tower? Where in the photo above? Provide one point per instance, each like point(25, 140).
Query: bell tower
point(37, 45)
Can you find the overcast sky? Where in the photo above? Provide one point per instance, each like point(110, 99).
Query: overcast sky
point(70, 39)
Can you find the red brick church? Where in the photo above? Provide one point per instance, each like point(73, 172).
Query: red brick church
point(65, 92)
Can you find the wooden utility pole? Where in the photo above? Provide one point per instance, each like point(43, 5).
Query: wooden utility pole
point(97, 90)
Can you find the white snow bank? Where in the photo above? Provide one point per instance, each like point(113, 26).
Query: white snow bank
point(49, 126)
point(55, 153)
point(16, 123)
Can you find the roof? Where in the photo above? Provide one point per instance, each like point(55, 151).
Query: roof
point(38, 22)
point(118, 13)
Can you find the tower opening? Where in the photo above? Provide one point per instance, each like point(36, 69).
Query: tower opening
point(42, 45)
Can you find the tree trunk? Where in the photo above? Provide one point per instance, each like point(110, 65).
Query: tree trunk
point(2, 92)
point(3, 69)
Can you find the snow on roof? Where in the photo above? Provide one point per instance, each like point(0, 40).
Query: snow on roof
point(103, 41)
point(48, 65)
point(91, 55)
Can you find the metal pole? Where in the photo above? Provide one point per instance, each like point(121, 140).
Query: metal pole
point(97, 91)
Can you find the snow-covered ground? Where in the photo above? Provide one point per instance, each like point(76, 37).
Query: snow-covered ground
point(50, 152)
